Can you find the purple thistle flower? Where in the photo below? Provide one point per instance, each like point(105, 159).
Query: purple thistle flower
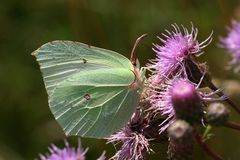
point(67, 153)
point(134, 144)
point(178, 89)
point(177, 47)
point(232, 43)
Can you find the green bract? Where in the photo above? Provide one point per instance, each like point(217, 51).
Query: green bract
point(92, 91)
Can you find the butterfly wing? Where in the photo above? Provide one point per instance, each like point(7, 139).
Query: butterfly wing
point(88, 87)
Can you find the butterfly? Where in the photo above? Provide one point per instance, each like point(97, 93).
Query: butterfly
point(92, 92)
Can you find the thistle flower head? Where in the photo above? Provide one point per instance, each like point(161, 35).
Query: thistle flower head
point(179, 98)
point(183, 91)
point(186, 101)
point(172, 93)
point(67, 153)
point(177, 46)
point(232, 43)
point(134, 144)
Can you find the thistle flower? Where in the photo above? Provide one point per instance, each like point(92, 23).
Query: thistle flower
point(179, 98)
point(232, 43)
point(134, 144)
point(186, 102)
point(177, 47)
point(67, 153)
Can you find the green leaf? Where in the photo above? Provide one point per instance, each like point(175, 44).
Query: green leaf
point(207, 133)
point(92, 92)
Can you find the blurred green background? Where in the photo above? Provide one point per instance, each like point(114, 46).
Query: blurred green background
point(27, 127)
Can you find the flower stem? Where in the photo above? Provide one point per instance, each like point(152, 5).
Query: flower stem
point(229, 101)
point(206, 148)
point(232, 125)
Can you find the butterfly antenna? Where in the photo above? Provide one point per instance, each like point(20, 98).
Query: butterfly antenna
point(133, 57)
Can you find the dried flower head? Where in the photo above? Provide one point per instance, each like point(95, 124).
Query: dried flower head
point(134, 144)
point(232, 43)
point(67, 153)
point(177, 47)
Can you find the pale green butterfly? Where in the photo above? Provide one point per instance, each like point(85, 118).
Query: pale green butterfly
point(92, 92)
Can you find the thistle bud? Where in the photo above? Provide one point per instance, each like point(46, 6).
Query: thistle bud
point(180, 132)
point(180, 141)
point(186, 102)
point(217, 114)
